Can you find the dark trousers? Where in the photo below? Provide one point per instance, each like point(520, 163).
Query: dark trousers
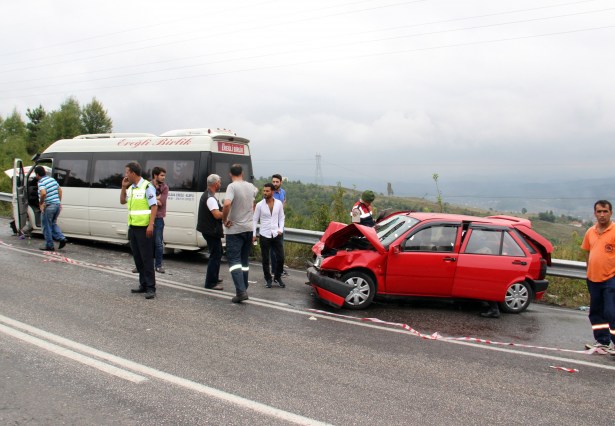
point(238, 253)
point(274, 245)
point(214, 246)
point(143, 255)
point(158, 240)
point(602, 310)
point(274, 259)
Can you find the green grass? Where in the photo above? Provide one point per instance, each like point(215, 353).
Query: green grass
point(567, 292)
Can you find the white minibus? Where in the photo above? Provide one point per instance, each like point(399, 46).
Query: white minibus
point(90, 168)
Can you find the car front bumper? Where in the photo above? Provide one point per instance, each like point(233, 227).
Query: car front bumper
point(330, 290)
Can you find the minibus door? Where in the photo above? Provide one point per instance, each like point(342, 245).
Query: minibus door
point(20, 197)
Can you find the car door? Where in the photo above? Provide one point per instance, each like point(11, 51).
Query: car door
point(490, 260)
point(20, 197)
point(424, 262)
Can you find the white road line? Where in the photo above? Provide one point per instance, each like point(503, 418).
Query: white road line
point(67, 353)
point(161, 375)
point(292, 310)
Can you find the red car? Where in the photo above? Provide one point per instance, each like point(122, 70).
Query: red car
point(495, 258)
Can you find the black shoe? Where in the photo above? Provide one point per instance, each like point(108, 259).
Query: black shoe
point(240, 297)
point(62, 244)
point(160, 269)
point(491, 313)
point(280, 283)
point(268, 284)
point(137, 290)
point(45, 248)
point(150, 295)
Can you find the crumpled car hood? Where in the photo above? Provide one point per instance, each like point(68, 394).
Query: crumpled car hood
point(338, 234)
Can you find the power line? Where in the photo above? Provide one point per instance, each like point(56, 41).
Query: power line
point(294, 50)
point(207, 36)
point(368, 55)
point(316, 48)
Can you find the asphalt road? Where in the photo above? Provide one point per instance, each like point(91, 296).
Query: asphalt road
point(76, 347)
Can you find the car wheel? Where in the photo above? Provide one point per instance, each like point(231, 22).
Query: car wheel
point(518, 298)
point(363, 291)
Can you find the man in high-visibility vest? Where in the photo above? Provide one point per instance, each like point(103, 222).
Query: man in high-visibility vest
point(361, 212)
point(140, 195)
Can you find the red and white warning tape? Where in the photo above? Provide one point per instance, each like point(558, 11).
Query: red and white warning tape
point(438, 336)
point(54, 256)
point(567, 370)
point(58, 257)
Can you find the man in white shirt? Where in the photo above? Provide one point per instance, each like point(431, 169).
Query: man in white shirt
point(270, 213)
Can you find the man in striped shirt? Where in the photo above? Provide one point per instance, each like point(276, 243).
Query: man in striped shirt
point(50, 197)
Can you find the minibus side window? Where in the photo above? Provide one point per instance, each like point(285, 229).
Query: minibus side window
point(71, 172)
point(109, 172)
point(181, 171)
point(221, 165)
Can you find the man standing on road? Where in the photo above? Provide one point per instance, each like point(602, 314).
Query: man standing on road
point(599, 244)
point(237, 218)
point(140, 195)
point(270, 213)
point(209, 224)
point(279, 194)
point(50, 197)
point(159, 175)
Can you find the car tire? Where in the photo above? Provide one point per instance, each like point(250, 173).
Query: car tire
point(363, 291)
point(518, 298)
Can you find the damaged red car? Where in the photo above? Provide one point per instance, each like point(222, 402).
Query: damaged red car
point(435, 255)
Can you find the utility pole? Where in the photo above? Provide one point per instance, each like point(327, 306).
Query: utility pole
point(318, 176)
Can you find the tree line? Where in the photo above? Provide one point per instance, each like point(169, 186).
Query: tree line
point(21, 138)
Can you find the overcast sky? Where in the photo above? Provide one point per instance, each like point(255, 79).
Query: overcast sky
point(383, 90)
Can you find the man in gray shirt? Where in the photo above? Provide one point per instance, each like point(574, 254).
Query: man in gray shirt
point(237, 215)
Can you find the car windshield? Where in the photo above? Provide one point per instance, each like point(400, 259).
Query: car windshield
point(392, 228)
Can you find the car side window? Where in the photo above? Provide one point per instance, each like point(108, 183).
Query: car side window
point(510, 247)
point(484, 241)
point(433, 238)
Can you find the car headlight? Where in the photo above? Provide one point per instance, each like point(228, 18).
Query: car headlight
point(318, 262)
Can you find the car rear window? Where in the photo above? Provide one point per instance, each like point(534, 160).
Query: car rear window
point(526, 243)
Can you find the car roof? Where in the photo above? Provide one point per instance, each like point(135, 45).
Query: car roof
point(501, 220)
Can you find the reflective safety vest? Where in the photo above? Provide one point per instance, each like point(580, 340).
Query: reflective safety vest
point(361, 214)
point(138, 207)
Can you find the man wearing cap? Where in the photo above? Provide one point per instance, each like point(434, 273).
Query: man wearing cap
point(361, 212)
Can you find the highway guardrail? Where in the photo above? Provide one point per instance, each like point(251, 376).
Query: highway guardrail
point(558, 268)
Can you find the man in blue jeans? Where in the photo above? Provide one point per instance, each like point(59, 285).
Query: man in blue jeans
point(50, 197)
point(279, 193)
point(237, 218)
point(159, 175)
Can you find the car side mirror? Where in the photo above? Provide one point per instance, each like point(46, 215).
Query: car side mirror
point(396, 249)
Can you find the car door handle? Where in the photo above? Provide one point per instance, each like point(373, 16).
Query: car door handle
point(519, 262)
point(449, 259)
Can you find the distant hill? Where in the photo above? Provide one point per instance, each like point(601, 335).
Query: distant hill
point(574, 197)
